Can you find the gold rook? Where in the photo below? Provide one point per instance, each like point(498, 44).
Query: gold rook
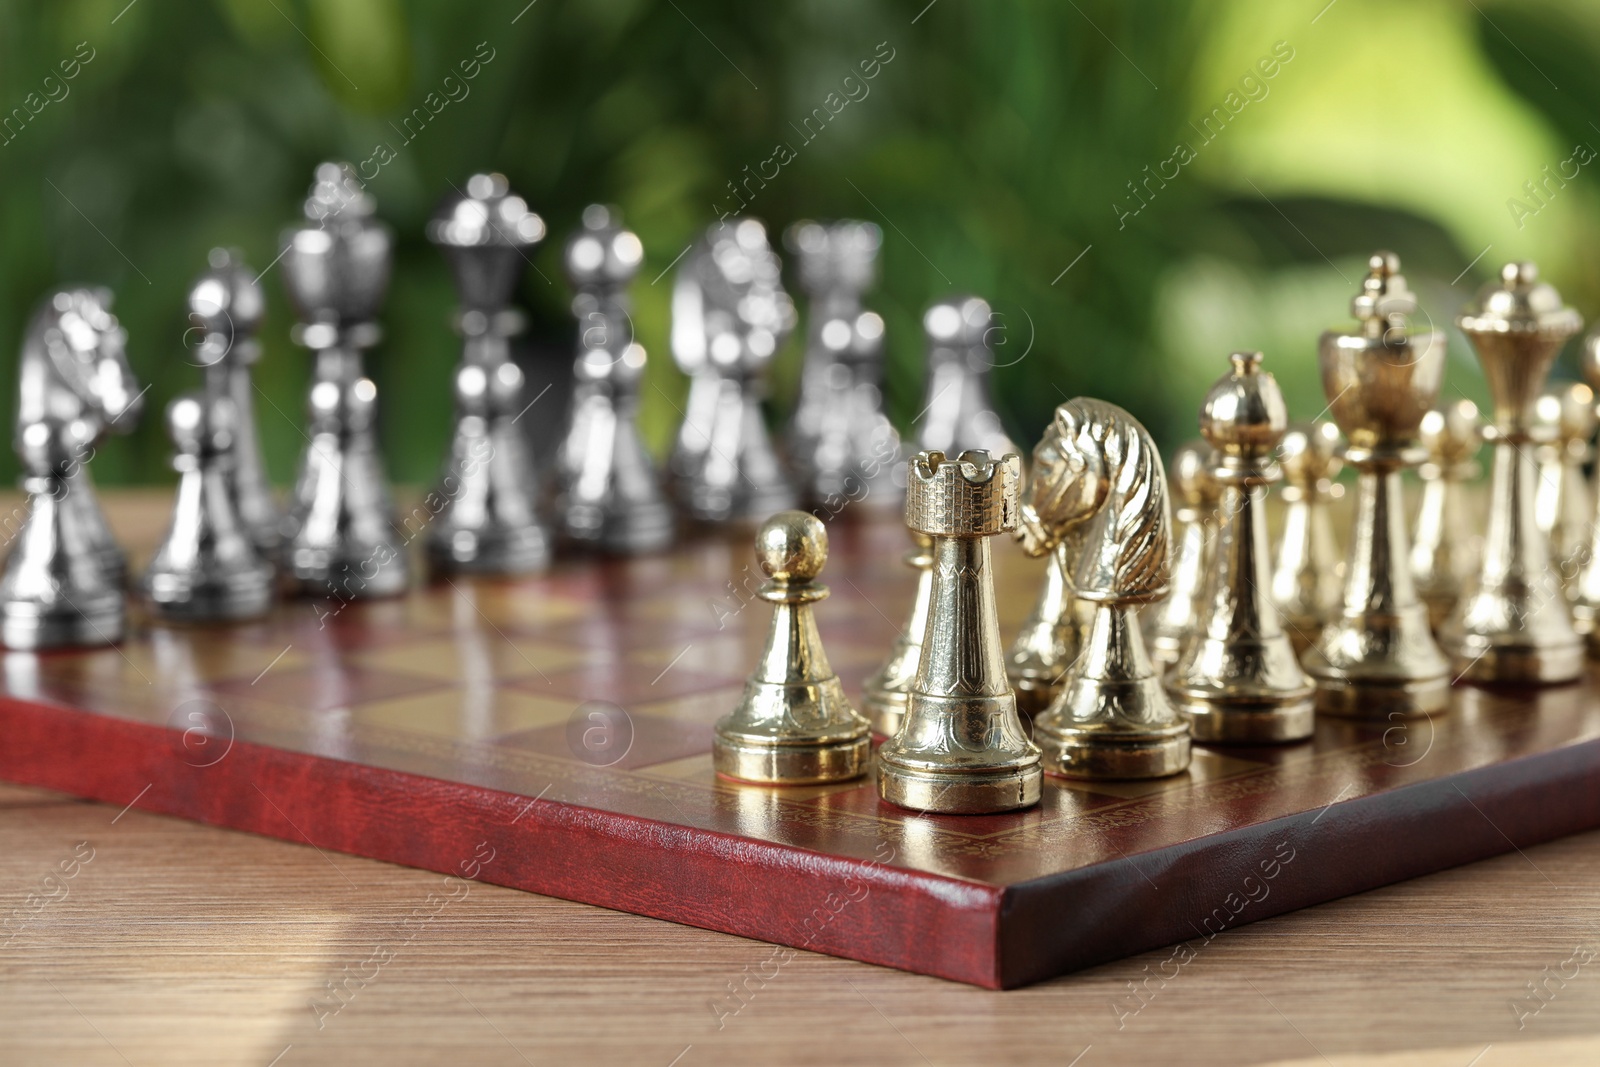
point(962, 748)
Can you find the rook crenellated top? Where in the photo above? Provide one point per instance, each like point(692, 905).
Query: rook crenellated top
point(973, 495)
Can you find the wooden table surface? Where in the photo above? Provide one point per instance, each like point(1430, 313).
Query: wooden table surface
point(173, 943)
point(184, 944)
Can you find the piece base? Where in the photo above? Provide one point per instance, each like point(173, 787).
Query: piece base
point(1475, 663)
point(962, 793)
point(494, 552)
point(1098, 754)
point(1248, 724)
point(1382, 701)
point(25, 628)
point(791, 763)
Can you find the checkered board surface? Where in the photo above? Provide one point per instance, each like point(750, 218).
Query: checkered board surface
point(581, 702)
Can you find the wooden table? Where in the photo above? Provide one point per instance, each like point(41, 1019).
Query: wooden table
point(183, 944)
point(175, 943)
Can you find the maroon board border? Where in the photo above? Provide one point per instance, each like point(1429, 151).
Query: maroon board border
point(874, 912)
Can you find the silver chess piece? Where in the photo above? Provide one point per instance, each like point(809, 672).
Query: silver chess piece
point(1170, 623)
point(1308, 574)
point(63, 580)
point(958, 411)
point(483, 514)
point(1239, 680)
point(339, 534)
point(208, 568)
point(1565, 418)
point(610, 495)
point(729, 316)
point(841, 442)
point(1444, 552)
point(225, 310)
point(1513, 624)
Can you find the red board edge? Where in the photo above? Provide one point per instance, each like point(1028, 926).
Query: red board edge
point(790, 896)
point(1185, 895)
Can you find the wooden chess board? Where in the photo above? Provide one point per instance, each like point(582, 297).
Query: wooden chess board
point(553, 734)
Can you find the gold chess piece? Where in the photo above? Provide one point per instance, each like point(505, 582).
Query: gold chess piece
point(1377, 657)
point(1561, 503)
point(962, 748)
point(1444, 554)
point(1239, 680)
point(884, 694)
point(1514, 625)
point(793, 725)
point(1169, 624)
point(1098, 491)
point(1308, 575)
point(1585, 591)
point(1048, 642)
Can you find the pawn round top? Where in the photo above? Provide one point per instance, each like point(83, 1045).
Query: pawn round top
point(1519, 303)
point(225, 301)
point(1244, 416)
point(792, 546)
point(1189, 477)
point(1567, 414)
point(602, 252)
point(958, 320)
point(1452, 434)
point(486, 213)
point(197, 425)
point(1309, 455)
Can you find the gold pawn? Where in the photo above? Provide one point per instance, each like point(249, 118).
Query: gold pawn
point(1443, 554)
point(1308, 575)
point(1170, 624)
point(1048, 643)
point(793, 725)
point(884, 694)
point(1561, 503)
point(962, 748)
point(1239, 681)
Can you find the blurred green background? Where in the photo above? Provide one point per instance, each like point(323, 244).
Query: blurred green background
point(999, 145)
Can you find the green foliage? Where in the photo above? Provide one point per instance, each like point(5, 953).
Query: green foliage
point(992, 147)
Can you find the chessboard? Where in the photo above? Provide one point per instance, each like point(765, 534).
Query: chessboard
point(553, 734)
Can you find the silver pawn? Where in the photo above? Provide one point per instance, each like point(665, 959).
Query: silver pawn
point(483, 514)
point(729, 316)
point(339, 535)
point(63, 580)
point(610, 494)
point(226, 307)
point(841, 442)
point(208, 568)
point(957, 411)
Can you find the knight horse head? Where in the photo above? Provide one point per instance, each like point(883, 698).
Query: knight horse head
point(74, 373)
point(1098, 494)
